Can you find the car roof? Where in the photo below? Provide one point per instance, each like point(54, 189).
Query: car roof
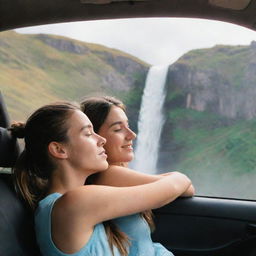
point(22, 13)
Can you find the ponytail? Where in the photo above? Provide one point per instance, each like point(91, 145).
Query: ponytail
point(148, 216)
point(26, 183)
point(116, 238)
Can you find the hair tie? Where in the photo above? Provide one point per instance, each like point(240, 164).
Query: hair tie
point(17, 130)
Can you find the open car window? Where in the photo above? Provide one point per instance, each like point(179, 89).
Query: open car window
point(208, 99)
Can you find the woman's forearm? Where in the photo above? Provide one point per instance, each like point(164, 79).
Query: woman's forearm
point(119, 176)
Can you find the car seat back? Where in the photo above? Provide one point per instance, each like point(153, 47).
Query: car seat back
point(17, 237)
point(9, 149)
point(16, 222)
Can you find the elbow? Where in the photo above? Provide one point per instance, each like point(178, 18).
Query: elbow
point(193, 191)
point(189, 192)
point(160, 204)
point(162, 201)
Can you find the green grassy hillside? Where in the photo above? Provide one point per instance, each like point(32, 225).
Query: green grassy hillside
point(38, 69)
point(213, 154)
point(211, 120)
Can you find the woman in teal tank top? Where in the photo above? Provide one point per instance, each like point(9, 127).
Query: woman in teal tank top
point(110, 121)
point(72, 217)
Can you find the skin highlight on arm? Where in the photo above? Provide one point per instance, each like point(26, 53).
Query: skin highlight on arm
point(124, 176)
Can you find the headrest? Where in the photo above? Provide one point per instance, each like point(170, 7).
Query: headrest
point(4, 116)
point(9, 148)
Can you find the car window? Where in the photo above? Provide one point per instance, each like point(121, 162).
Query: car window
point(202, 122)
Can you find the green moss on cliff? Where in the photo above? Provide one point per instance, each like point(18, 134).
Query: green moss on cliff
point(229, 61)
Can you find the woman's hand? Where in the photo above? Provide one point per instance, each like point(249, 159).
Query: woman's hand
point(188, 193)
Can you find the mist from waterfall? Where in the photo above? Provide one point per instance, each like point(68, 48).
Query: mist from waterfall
point(151, 120)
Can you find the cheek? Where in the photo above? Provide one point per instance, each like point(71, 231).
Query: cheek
point(110, 147)
point(89, 147)
point(111, 140)
point(113, 144)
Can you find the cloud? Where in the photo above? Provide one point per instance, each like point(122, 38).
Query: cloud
point(154, 40)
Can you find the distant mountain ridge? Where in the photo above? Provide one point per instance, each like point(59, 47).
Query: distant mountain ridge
point(221, 80)
point(37, 69)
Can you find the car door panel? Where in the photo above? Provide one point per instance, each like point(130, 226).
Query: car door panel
point(207, 226)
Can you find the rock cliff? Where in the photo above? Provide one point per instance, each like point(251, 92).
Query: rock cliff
point(210, 94)
point(221, 80)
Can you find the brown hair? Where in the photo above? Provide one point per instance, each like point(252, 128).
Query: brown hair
point(34, 166)
point(97, 110)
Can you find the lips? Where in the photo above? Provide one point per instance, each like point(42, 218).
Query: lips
point(103, 152)
point(128, 146)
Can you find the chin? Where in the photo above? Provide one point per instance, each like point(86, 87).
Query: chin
point(128, 158)
point(103, 167)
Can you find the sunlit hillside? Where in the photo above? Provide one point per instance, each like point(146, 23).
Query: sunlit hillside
point(38, 69)
point(211, 119)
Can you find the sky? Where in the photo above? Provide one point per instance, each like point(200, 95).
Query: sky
point(157, 41)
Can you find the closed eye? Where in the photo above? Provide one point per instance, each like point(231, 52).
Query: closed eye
point(88, 133)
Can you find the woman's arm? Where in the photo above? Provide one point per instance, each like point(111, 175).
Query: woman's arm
point(81, 209)
point(94, 204)
point(119, 176)
point(189, 192)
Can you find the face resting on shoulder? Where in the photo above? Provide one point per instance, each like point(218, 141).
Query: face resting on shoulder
point(119, 136)
point(85, 147)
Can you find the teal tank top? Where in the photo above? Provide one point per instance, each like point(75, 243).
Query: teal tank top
point(96, 246)
point(139, 233)
point(134, 226)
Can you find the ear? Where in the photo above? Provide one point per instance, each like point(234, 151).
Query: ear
point(57, 150)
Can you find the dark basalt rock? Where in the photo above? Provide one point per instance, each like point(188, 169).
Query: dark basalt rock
point(63, 44)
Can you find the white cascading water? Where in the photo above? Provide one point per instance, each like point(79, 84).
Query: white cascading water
point(151, 120)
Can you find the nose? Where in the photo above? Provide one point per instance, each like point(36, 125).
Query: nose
point(130, 134)
point(101, 140)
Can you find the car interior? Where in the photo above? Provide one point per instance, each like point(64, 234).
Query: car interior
point(202, 226)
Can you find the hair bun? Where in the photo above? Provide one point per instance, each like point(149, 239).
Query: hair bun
point(18, 129)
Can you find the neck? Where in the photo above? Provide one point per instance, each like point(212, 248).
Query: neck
point(66, 178)
point(123, 164)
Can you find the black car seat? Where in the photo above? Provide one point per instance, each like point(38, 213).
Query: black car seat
point(17, 237)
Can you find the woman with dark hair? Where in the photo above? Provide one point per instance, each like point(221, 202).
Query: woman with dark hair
point(61, 152)
point(109, 119)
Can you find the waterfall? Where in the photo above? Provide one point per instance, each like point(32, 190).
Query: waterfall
point(151, 120)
